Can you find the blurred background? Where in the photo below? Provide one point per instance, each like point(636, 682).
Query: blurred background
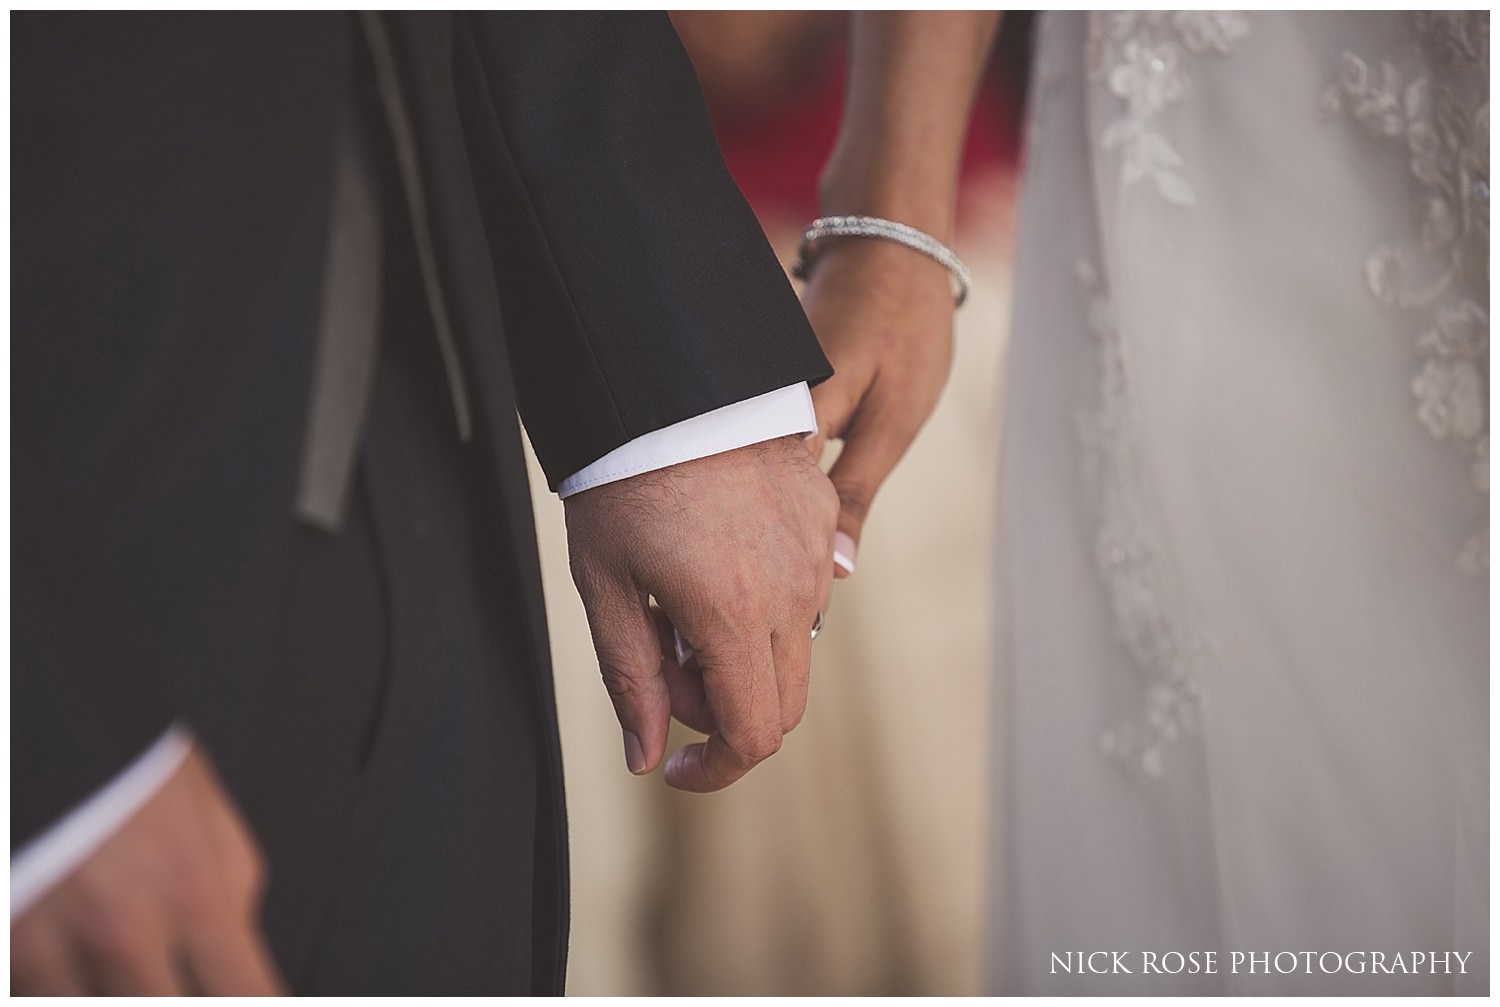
point(851, 863)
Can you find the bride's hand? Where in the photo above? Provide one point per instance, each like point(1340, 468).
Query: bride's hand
point(884, 315)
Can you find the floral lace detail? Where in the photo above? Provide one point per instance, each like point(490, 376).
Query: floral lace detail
point(1443, 122)
point(1129, 563)
point(1456, 38)
point(1140, 56)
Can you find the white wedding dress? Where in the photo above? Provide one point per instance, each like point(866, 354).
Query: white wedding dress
point(1244, 694)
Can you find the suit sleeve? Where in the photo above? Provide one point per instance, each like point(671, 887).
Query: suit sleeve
point(87, 691)
point(636, 286)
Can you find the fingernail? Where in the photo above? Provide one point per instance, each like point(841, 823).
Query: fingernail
point(635, 757)
point(844, 551)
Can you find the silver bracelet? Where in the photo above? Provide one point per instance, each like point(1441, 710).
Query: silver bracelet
point(890, 230)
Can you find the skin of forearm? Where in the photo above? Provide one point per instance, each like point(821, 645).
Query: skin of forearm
point(912, 80)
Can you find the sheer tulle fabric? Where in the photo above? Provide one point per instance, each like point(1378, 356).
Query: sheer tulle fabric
point(1244, 540)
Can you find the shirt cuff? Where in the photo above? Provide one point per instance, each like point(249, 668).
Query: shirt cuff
point(775, 414)
point(69, 841)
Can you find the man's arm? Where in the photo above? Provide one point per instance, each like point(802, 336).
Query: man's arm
point(636, 286)
point(638, 293)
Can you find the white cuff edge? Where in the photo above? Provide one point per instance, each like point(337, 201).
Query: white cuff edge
point(62, 846)
point(779, 413)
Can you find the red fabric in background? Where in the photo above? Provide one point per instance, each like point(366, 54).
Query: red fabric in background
point(776, 156)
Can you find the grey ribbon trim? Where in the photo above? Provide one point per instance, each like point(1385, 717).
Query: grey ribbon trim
point(344, 366)
point(348, 333)
point(409, 168)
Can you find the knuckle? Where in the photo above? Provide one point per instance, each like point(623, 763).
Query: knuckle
point(200, 893)
point(250, 874)
point(624, 683)
point(618, 681)
point(741, 608)
point(761, 745)
point(742, 585)
point(239, 861)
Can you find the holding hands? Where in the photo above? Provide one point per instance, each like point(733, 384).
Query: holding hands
point(739, 549)
point(884, 315)
point(883, 311)
point(736, 549)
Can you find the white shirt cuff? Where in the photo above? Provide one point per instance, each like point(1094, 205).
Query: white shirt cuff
point(775, 414)
point(69, 841)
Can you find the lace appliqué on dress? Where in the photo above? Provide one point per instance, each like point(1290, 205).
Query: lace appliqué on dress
point(1140, 56)
point(1129, 562)
point(1442, 119)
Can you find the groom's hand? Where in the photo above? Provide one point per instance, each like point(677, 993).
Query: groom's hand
point(167, 905)
point(735, 548)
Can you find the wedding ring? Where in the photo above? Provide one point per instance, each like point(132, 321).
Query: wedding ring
point(685, 650)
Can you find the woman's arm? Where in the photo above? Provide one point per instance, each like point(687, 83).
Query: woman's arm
point(912, 80)
point(883, 312)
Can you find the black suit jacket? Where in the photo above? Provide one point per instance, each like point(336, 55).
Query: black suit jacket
point(170, 198)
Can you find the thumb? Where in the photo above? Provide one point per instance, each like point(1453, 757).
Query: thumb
point(834, 402)
point(630, 657)
point(871, 451)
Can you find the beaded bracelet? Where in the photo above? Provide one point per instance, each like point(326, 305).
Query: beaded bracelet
point(890, 230)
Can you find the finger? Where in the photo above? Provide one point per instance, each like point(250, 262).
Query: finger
point(815, 442)
point(229, 958)
point(873, 444)
point(833, 404)
point(220, 948)
point(792, 650)
point(630, 658)
point(126, 952)
point(41, 963)
point(689, 701)
point(826, 574)
point(845, 552)
point(238, 866)
point(151, 973)
point(740, 683)
point(791, 642)
point(684, 680)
